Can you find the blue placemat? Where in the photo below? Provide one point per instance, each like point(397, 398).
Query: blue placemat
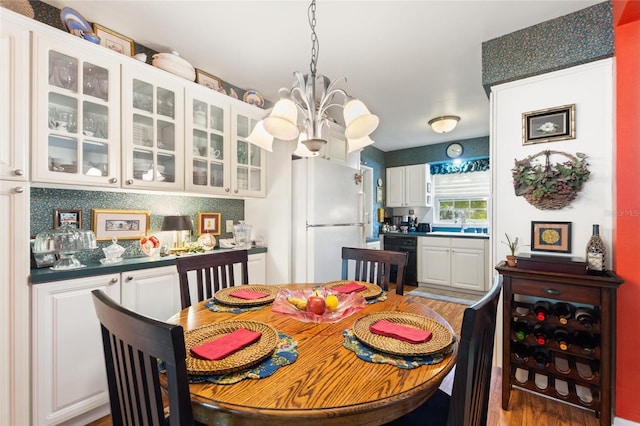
point(286, 353)
point(365, 353)
point(381, 298)
point(215, 306)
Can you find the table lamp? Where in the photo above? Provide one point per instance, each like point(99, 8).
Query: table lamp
point(177, 224)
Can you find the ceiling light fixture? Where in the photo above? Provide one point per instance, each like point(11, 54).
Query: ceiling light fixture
point(444, 124)
point(282, 123)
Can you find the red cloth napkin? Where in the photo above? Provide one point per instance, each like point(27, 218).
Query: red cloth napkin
point(401, 332)
point(249, 294)
point(226, 345)
point(349, 288)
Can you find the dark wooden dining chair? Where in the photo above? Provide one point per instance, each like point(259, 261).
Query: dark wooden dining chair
point(213, 271)
point(469, 400)
point(133, 344)
point(374, 266)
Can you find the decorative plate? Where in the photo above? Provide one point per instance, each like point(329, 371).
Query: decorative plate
point(72, 20)
point(239, 360)
point(224, 295)
point(370, 292)
point(348, 304)
point(254, 98)
point(440, 340)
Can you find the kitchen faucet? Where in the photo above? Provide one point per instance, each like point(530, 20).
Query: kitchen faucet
point(462, 217)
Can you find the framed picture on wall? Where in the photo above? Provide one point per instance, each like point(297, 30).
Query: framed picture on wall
point(551, 236)
point(122, 224)
point(72, 218)
point(208, 223)
point(549, 125)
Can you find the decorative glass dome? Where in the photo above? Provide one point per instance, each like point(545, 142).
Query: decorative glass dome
point(65, 241)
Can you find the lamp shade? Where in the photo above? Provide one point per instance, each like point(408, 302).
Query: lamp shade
point(261, 138)
point(356, 144)
point(444, 124)
point(177, 223)
point(281, 123)
point(302, 150)
point(359, 121)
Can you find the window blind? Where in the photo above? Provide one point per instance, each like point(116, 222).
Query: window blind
point(473, 184)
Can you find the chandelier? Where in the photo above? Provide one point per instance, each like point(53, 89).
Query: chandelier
point(312, 95)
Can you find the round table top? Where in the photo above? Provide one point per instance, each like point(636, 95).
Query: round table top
point(328, 384)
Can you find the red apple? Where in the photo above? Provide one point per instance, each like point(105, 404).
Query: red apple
point(316, 305)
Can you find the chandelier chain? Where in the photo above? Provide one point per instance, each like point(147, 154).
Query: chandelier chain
point(315, 45)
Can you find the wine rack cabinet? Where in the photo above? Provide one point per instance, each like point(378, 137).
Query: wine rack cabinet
point(575, 376)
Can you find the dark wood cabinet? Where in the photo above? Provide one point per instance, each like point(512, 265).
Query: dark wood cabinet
point(580, 373)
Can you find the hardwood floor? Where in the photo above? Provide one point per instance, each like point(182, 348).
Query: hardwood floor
point(525, 409)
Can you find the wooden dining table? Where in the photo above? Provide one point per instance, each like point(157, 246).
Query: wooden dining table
point(327, 384)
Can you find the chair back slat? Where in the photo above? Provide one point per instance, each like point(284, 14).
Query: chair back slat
point(470, 394)
point(213, 271)
point(132, 346)
point(374, 266)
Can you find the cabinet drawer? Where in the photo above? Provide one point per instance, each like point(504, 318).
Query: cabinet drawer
point(435, 242)
point(568, 292)
point(471, 243)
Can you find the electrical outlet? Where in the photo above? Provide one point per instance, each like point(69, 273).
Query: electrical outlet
point(229, 225)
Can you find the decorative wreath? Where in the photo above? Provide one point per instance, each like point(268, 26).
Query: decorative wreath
point(549, 186)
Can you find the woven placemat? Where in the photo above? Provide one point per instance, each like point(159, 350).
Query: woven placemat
point(239, 360)
point(224, 295)
point(370, 292)
point(441, 336)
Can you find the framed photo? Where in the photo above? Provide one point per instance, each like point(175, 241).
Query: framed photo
point(551, 236)
point(123, 224)
point(379, 195)
point(42, 260)
point(114, 41)
point(209, 223)
point(208, 80)
point(549, 125)
point(72, 218)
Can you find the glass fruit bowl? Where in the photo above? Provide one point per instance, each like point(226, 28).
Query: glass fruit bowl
point(348, 304)
point(65, 242)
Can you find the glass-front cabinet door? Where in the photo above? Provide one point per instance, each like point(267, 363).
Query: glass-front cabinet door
point(153, 143)
point(207, 142)
point(76, 113)
point(249, 162)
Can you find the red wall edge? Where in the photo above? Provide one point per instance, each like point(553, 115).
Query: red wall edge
point(626, 242)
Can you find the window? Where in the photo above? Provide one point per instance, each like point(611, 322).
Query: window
point(462, 195)
point(452, 210)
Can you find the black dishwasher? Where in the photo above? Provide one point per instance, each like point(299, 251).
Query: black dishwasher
point(408, 244)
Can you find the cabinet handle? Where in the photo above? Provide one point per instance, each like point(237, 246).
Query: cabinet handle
point(129, 181)
point(114, 280)
point(226, 190)
point(235, 191)
point(129, 278)
point(19, 172)
point(552, 291)
point(114, 180)
point(19, 189)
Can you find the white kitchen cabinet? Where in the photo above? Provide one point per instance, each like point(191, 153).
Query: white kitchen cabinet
point(249, 162)
point(152, 128)
point(14, 102)
point(336, 147)
point(257, 268)
point(68, 375)
point(76, 112)
point(409, 186)
point(153, 292)
point(453, 262)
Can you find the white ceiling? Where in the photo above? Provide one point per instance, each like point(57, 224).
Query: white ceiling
point(409, 61)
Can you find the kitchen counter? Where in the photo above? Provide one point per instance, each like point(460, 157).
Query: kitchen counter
point(439, 234)
point(44, 275)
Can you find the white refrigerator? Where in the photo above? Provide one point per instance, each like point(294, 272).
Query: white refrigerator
point(327, 214)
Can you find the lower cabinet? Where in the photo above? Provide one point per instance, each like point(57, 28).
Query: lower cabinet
point(69, 379)
point(453, 262)
point(152, 292)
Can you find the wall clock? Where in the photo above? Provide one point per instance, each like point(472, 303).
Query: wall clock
point(454, 150)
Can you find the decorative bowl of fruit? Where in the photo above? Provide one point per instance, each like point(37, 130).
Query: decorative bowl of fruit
point(149, 245)
point(317, 305)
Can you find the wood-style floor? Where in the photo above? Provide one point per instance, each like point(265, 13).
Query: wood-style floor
point(525, 409)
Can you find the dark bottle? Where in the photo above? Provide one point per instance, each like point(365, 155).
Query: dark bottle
point(541, 356)
point(561, 336)
point(564, 311)
point(585, 341)
point(521, 328)
point(540, 333)
point(520, 351)
point(542, 309)
point(586, 316)
point(596, 251)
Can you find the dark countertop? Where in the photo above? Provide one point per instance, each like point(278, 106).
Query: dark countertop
point(439, 234)
point(45, 275)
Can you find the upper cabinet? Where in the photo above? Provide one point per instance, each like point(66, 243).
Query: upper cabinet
point(249, 162)
point(152, 128)
point(76, 113)
point(409, 186)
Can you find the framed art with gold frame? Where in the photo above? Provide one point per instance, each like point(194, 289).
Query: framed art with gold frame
point(208, 223)
point(114, 41)
point(122, 224)
point(72, 218)
point(208, 80)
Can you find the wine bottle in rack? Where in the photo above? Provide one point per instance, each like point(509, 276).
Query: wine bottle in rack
point(542, 309)
point(586, 316)
point(563, 311)
point(585, 341)
point(520, 351)
point(596, 251)
point(521, 328)
point(561, 336)
point(541, 356)
point(540, 334)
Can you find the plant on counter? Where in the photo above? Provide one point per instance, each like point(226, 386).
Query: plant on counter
point(550, 186)
point(512, 244)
